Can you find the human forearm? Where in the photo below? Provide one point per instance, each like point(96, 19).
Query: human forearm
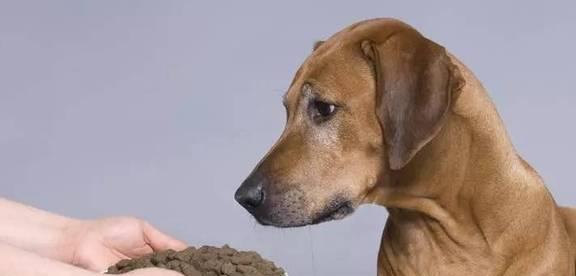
point(90, 244)
point(17, 262)
point(34, 230)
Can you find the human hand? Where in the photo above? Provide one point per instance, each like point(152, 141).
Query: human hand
point(153, 272)
point(98, 244)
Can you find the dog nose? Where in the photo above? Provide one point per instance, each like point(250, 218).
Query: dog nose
point(250, 194)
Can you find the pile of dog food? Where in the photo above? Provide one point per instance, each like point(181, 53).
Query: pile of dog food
point(204, 261)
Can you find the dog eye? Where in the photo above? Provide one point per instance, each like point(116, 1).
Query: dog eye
point(321, 111)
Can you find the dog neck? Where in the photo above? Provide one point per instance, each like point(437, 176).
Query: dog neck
point(466, 181)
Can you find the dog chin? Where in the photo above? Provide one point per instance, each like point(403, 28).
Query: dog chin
point(332, 212)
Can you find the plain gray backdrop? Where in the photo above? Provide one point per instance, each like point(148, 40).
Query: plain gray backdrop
point(159, 109)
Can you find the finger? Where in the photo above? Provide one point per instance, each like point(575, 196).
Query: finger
point(160, 241)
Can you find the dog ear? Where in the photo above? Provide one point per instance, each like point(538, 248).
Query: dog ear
point(414, 83)
point(317, 44)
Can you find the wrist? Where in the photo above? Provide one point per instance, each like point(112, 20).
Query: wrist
point(56, 239)
point(33, 230)
point(69, 236)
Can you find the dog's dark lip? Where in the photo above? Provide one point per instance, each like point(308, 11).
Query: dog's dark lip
point(339, 212)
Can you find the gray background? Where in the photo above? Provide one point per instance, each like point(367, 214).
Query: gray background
point(159, 109)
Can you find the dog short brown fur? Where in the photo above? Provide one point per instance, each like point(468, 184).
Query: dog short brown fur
point(380, 114)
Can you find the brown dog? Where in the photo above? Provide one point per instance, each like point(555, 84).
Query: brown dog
point(380, 114)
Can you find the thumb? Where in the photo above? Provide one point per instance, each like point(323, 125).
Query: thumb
point(160, 241)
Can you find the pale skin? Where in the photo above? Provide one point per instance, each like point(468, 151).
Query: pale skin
point(34, 242)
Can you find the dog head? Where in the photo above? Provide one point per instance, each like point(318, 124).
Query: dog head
point(358, 109)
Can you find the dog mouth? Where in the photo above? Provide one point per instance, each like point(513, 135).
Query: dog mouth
point(335, 211)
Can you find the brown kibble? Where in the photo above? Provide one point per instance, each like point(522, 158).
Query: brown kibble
point(113, 270)
point(213, 264)
point(228, 268)
point(247, 270)
point(189, 270)
point(173, 265)
point(160, 257)
point(204, 261)
point(123, 263)
point(241, 259)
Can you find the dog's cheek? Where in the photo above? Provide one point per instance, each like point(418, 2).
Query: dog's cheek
point(361, 176)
